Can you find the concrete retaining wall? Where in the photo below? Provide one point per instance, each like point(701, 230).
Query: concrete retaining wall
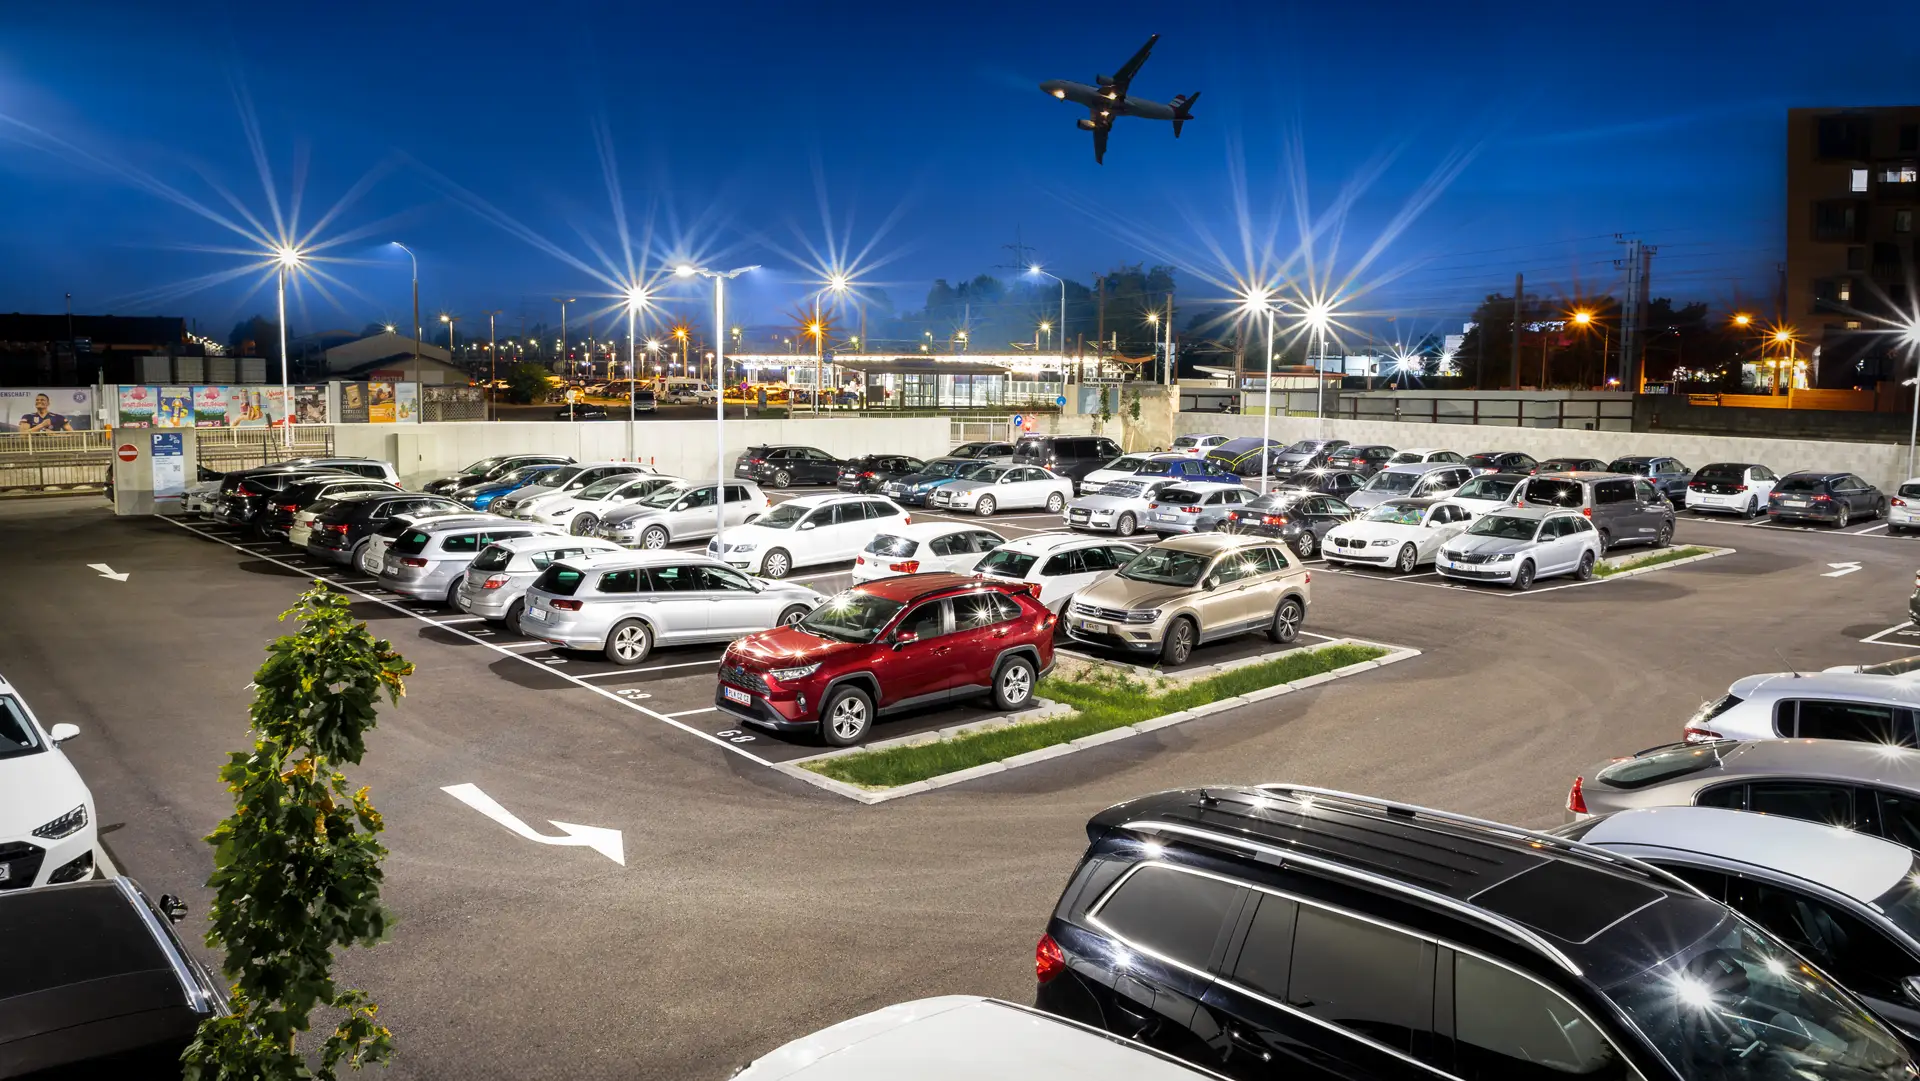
point(1881, 464)
point(683, 448)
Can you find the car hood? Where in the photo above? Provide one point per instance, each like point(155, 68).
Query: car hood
point(967, 486)
point(1363, 499)
point(36, 789)
point(1117, 592)
point(1469, 544)
point(785, 647)
point(1107, 502)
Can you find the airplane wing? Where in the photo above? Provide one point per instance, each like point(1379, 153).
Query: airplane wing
point(1124, 76)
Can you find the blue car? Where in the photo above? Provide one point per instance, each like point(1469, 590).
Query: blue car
point(481, 496)
point(917, 488)
point(1156, 467)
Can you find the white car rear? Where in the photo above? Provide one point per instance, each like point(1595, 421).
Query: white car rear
point(923, 548)
point(1486, 492)
point(1731, 488)
point(1811, 705)
point(47, 822)
point(1903, 507)
point(1197, 446)
point(1057, 564)
point(806, 532)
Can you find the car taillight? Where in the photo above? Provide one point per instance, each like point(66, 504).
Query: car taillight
point(908, 566)
point(290, 508)
point(1823, 498)
point(1049, 960)
point(1576, 799)
point(758, 461)
point(1898, 502)
point(495, 581)
point(1587, 511)
point(859, 561)
point(243, 490)
point(909, 520)
point(1153, 506)
point(565, 606)
point(341, 528)
point(868, 473)
point(1190, 510)
point(410, 561)
point(1737, 487)
point(1699, 735)
point(1275, 519)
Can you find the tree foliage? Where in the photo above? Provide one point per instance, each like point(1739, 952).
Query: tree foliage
point(297, 865)
point(527, 382)
point(254, 337)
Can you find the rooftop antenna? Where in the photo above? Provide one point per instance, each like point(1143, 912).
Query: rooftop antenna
point(1791, 670)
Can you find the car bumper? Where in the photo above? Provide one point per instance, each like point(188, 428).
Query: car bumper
point(870, 572)
point(1101, 521)
point(1477, 572)
point(36, 861)
point(856, 486)
point(1369, 554)
point(780, 713)
point(1155, 525)
point(1902, 516)
point(1116, 637)
point(1719, 502)
point(338, 556)
point(1828, 513)
point(486, 603)
point(429, 586)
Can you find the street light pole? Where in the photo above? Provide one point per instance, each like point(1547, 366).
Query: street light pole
point(416, 308)
point(635, 297)
point(720, 279)
point(1266, 410)
point(493, 361)
point(566, 358)
point(1035, 269)
point(286, 394)
point(1913, 430)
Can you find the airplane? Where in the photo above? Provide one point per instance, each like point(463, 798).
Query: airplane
point(1108, 101)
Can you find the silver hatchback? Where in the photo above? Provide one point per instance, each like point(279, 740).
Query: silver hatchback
point(624, 606)
point(428, 561)
point(495, 585)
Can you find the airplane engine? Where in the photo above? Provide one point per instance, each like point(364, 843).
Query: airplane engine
point(1085, 124)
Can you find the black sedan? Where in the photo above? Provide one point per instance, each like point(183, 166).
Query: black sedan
point(1363, 458)
point(491, 469)
point(297, 497)
point(1502, 461)
point(341, 530)
point(982, 450)
point(869, 471)
point(580, 411)
point(1838, 498)
point(781, 466)
point(1299, 518)
point(1339, 483)
point(1570, 465)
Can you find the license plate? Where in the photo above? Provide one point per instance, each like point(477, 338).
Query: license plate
point(534, 614)
point(1081, 516)
point(1093, 627)
point(1793, 502)
point(734, 694)
point(6, 871)
point(1165, 518)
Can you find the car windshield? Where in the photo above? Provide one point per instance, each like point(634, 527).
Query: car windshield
point(852, 616)
point(1663, 764)
point(1892, 668)
point(1628, 465)
point(492, 558)
point(1130, 463)
point(973, 470)
point(1801, 484)
point(1901, 904)
point(1275, 501)
point(601, 489)
point(1393, 482)
point(1739, 1006)
point(887, 545)
point(555, 478)
point(943, 468)
point(1166, 566)
point(524, 474)
point(480, 467)
point(1408, 457)
point(1721, 472)
point(17, 735)
point(1492, 486)
point(665, 497)
point(1187, 441)
point(1556, 493)
point(1006, 563)
point(1505, 526)
point(1910, 491)
point(1396, 514)
point(1151, 468)
point(987, 474)
point(782, 516)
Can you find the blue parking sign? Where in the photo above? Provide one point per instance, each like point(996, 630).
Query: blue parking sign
point(1061, 401)
point(1017, 418)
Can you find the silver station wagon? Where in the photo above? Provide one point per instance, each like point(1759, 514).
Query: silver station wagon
point(625, 605)
point(428, 561)
point(495, 585)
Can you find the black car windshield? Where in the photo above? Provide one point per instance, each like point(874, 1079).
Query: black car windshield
point(782, 516)
point(1283, 500)
point(1490, 486)
point(944, 467)
point(481, 467)
point(1901, 904)
point(1504, 526)
point(971, 470)
point(1664, 764)
point(1801, 484)
point(17, 735)
point(1160, 468)
point(1396, 514)
point(896, 547)
point(1132, 463)
point(1556, 493)
point(987, 474)
point(525, 474)
point(1390, 481)
point(1628, 465)
point(1910, 491)
point(1305, 446)
point(1737, 1005)
point(1006, 563)
point(852, 616)
point(1166, 566)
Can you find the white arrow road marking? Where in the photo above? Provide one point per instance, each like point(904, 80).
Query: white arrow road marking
point(1841, 570)
point(599, 838)
point(109, 572)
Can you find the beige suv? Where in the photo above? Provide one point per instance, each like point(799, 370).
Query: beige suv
point(1193, 589)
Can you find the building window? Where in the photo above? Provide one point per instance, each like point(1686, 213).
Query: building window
point(1844, 136)
point(1853, 324)
point(1845, 292)
point(1836, 221)
point(1903, 221)
point(1859, 180)
point(1904, 173)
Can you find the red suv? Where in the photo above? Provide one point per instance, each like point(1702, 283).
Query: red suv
point(894, 644)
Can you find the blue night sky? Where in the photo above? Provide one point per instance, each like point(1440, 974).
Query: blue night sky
point(471, 128)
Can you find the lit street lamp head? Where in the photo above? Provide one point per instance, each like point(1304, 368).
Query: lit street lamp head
point(1583, 318)
point(1742, 319)
point(637, 298)
point(287, 257)
point(685, 270)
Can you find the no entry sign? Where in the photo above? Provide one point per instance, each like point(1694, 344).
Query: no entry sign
point(128, 452)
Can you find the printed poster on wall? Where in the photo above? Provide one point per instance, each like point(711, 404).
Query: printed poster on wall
point(353, 403)
point(46, 409)
point(406, 402)
point(310, 404)
point(246, 407)
point(137, 406)
point(169, 464)
point(380, 403)
point(210, 407)
point(176, 408)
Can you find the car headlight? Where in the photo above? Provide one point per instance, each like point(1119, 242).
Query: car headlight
point(1383, 543)
point(1143, 615)
point(64, 826)
point(785, 675)
point(1503, 557)
point(741, 547)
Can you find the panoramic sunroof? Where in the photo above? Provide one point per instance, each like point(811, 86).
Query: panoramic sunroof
point(1567, 900)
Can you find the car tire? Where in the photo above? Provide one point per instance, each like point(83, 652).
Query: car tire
point(776, 564)
point(985, 507)
point(1523, 578)
point(1844, 518)
point(1753, 508)
point(655, 538)
point(1663, 536)
point(1881, 510)
point(584, 525)
point(513, 615)
point(1606, 542)
point(356, 553)
point(1408, 560)
point(1178, 644)
point(782, 479)
point(1287, 620)
point(845, 717)
point(1584, 571)
point(1013, 685)
point(453, 591)
point(1307, 544)
point(794, 615)
point(1127, 526)
point(1056, 503)
point(628, 642)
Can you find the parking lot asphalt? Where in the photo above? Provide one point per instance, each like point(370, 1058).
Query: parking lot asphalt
point(752, 908)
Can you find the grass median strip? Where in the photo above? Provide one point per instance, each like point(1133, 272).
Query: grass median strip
point(1100, 704)
point(1609, 567)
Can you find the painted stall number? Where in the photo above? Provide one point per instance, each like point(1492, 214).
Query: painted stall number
point(632, 695)
point(734, 735)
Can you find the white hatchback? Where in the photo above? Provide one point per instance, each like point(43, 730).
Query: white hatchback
point(47, 831)
point(1860, 706)
point(1731, 488)
point(808, 531)
point(923, 548)
point(1058, 564)
point(579, 512)
point(1197, 446)
point(1903, 508)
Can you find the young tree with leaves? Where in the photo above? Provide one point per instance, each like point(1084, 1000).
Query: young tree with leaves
point(297, 865)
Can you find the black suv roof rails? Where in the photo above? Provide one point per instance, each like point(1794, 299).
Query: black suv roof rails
point(1512, 832)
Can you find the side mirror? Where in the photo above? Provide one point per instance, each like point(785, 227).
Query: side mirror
point(806, 525)
point(1211, 583)
point(1910, 989)
point(60, 733)
point(904, 639)
point(173, 908)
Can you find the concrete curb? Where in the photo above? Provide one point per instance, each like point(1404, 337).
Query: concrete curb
point(1710, 553)
point(797, 768)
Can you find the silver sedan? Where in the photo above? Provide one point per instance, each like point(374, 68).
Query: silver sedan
point(1118, 506)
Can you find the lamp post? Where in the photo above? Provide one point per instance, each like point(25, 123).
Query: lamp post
point(450, 320)
point(493, 360)
point(1783, 336)
point(1317, 315)
point(1044, 328)
point(288, 259)
point(416, 307)
point(1259, 301)
point(1035, 269)
point(838, 285)
point(566, 358)
point(636, 299)
point(1912, 336)
point(720, 279)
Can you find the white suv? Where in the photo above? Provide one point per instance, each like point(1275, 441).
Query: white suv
point(1058, 564)
point(807, 531)
point(47, 831)
point(1817, 705)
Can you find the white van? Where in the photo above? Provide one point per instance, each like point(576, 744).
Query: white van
point(679, 390)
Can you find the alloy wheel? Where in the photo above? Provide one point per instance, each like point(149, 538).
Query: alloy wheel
point(984, 508)
point(1126, 525)
point(654, 538)
point(629, 643)
point(776, 564)
point(1016, 683)
point(1055, 503)
point(1305, 544)
point(1409, 559)
point(1841, 522)
point(1286, 621)
point(782, 479)
point(849, 718)
point(585, 525)
point(1585, 572)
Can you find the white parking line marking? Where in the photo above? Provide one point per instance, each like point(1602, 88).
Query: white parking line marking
point(1904, 629)
point(502, 649)
point(1869, 529)
point(460, 619)
point(693, 712)
point(358, 581)
point(503, 645)
point(715, 663)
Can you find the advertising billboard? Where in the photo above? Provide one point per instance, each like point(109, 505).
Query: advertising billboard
point(46, 409)
point(137, 406)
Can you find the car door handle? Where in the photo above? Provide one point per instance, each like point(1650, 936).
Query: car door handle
point(942, 649)
point(1003, 632)
point(1247, 1042)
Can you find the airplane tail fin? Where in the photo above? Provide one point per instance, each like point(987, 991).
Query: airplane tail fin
point(1183, 110)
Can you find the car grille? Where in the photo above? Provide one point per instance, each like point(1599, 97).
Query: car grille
point(740, 677)
point(942, 496)
point(1117, 615)
point(1348, 542)
point(895, 489)
point(1080, 515)
point(1472, 557)
point(22, 861)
